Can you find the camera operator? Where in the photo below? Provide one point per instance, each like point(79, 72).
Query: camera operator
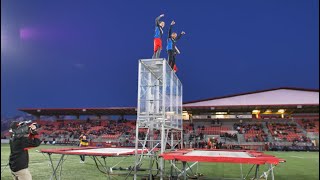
point(20, 142)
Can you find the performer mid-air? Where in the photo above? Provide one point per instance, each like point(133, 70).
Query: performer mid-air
point(157, 37)
point(171, 46)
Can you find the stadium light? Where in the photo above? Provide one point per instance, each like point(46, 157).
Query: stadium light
point(221, 113)
point(185, 115)
point(268, 111)
point(255, 111)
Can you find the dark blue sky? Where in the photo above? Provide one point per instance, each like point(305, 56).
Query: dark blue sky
point(85, 53)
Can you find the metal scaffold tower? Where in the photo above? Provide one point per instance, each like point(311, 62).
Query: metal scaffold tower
point(159, 115)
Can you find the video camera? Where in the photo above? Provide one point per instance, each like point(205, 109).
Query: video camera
point(20, 129)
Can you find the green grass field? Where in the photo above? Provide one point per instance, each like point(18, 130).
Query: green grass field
point(299, 166)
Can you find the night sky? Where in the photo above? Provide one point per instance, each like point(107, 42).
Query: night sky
point(85, 53)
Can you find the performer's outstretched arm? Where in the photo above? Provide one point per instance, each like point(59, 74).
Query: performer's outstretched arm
point(158, 19)
point(170, 29)
point(180, 35)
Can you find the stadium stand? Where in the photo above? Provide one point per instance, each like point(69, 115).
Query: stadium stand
point(253, 132)
point(310, 125)
point(286, 134)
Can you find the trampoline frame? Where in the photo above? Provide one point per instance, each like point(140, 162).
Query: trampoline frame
point(106, 168)
point(256, 160)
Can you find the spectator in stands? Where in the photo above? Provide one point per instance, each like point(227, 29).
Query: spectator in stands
point(209, 144)
point(238, 129)
point(83, 143)
point(266, 146)
point(215, 143)
point(294, 143)
point(201, 136)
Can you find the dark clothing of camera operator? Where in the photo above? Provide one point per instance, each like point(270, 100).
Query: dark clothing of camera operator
point(19, 156)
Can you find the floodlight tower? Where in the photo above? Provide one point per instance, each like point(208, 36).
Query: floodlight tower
point(159, 113)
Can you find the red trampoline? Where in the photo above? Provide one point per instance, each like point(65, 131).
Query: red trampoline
point(222, 156)
point(94, 153)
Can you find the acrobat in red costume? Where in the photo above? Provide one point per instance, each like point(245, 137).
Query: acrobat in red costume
point(157, 37)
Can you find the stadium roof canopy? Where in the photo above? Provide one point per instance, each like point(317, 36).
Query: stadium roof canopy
point(80, 111)
point(297, 99)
